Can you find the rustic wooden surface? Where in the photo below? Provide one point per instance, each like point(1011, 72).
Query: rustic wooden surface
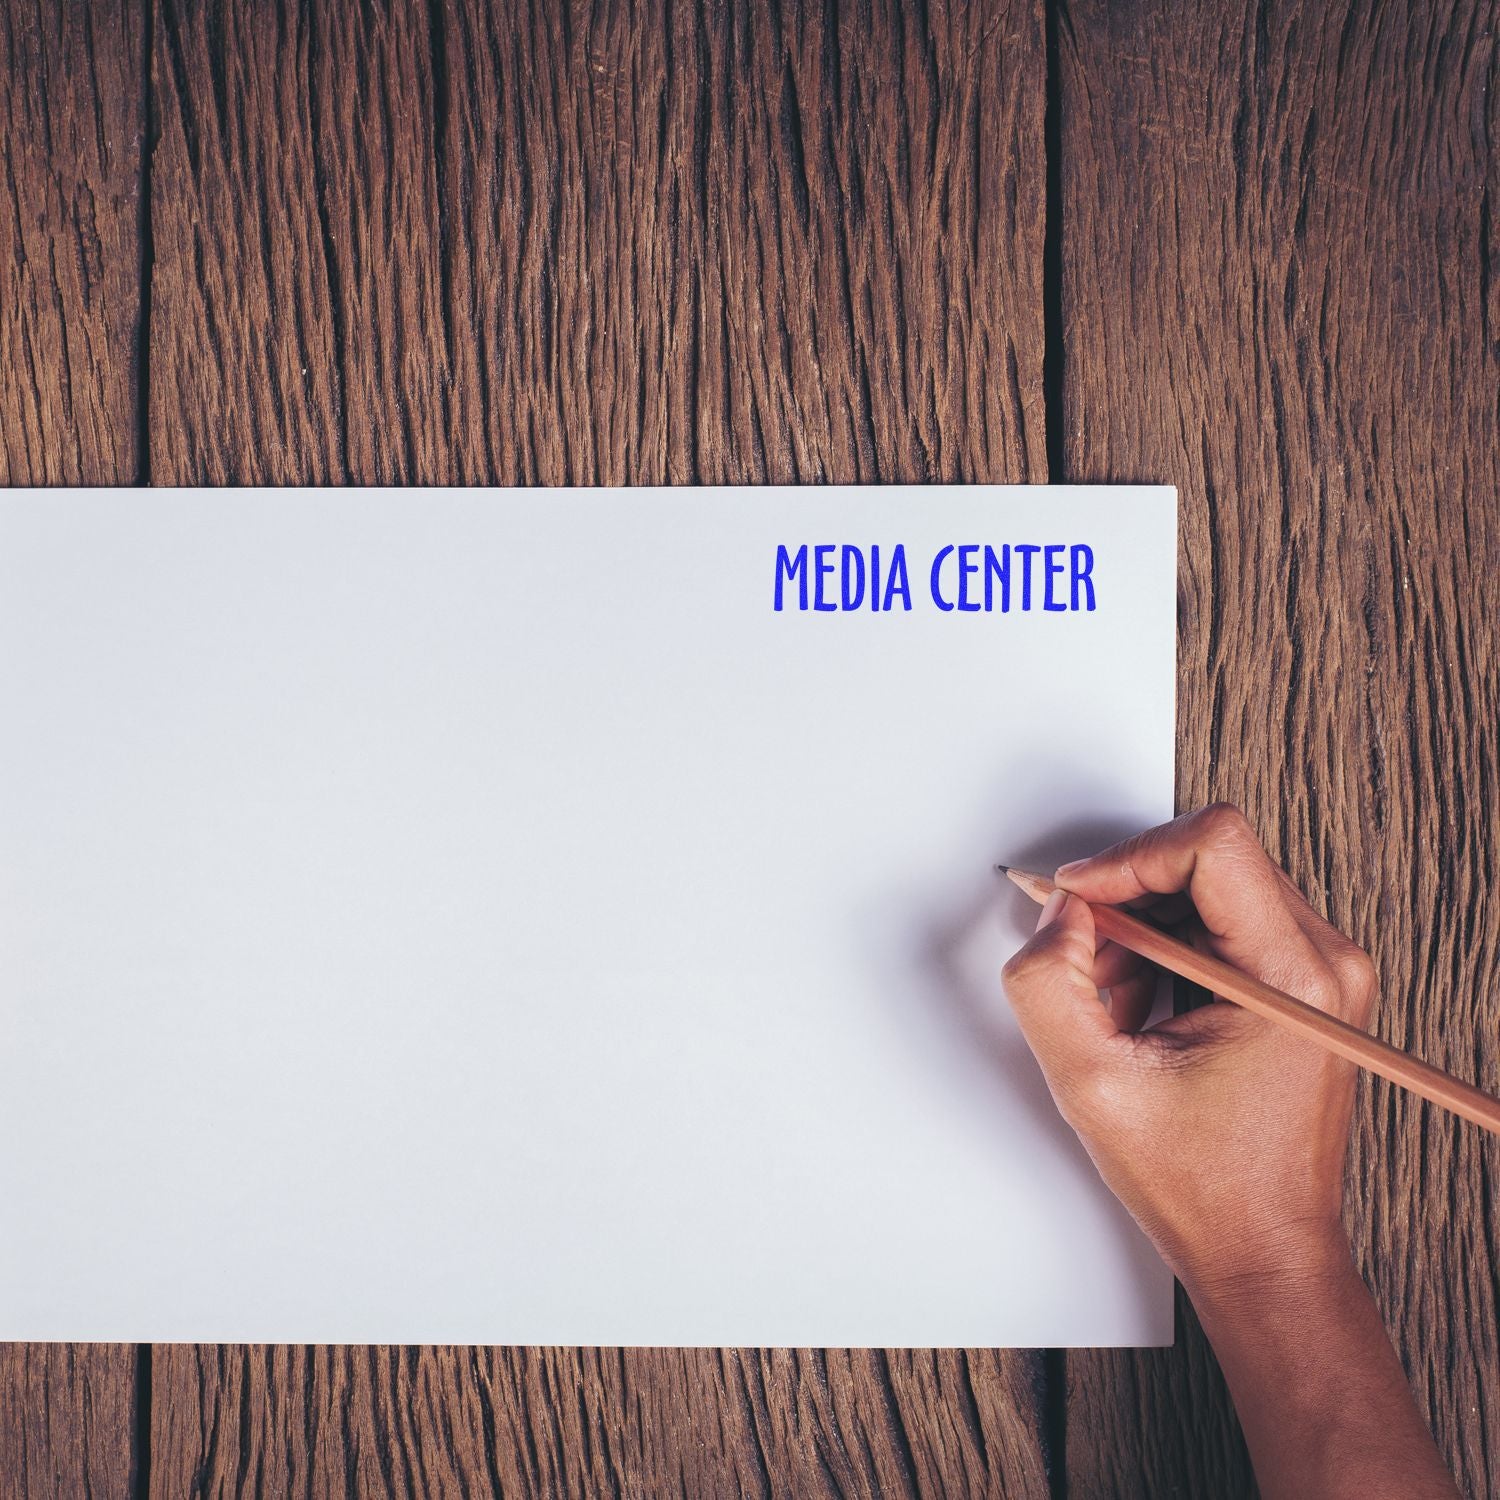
point(72, 113)
point(548, 1422)
point(1280, 292)
point(427, 244)
point(1249, 250)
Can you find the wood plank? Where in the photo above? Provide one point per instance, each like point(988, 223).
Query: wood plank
point(600, 245)
point(69, 1421)
point(244, 344)
point(773, 250)
point(1280, 293)
point(72, 113)
point(436, 247)
point(544, 1422)
point(72, 120)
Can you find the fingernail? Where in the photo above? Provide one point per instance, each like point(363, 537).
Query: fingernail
point(1051, 907)
point(1071, 868)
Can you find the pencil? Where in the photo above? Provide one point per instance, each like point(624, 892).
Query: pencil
point(1339, 1037)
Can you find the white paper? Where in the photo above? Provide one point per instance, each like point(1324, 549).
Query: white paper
point(478, 916)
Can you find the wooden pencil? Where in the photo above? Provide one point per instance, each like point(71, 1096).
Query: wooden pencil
point(1306, 1020)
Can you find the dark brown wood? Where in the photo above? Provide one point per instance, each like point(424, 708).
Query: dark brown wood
point(1280, 292)
point(596, 244)
point(547, 1422)
point(601, 245)
point(68, 1420)
point(72, 116)
point(71, 125)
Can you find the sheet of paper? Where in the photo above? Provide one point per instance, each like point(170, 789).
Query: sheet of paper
point(483, 916)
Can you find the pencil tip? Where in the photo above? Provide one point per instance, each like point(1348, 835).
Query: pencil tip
point(1002, 869)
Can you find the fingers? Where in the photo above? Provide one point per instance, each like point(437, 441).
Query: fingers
point(1130, 981)
point(1242, 898)
point(1051, 988)
point(1351, 965)
point(1114, 964)
point(1212, 854)
point(1131, 1000)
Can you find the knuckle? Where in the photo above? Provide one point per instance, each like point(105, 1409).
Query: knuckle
point(1321, 989)
point(1226, 824)
point(1355, 970)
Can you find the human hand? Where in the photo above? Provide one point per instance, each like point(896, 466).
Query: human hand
point(1221, 1133)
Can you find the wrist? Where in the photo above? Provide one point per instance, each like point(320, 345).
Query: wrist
point(1299, 1262)
point(1320, 1393)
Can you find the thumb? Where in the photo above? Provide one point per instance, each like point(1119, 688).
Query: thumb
point(1051, 988)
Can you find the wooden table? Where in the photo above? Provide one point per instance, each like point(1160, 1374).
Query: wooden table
point(1250, 249)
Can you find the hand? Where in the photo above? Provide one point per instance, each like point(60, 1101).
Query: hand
point(1224, 1135)
point(1221, 1133)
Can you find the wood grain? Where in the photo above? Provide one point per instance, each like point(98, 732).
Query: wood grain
point(546, 1422)
point(72, 114)
point(596, 244)
point(601, 246)
point(72, 121)
point(1280, 293)
point(68, 1421)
